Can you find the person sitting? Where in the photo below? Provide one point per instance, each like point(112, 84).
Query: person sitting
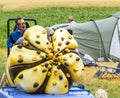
point(17, 33)
point(71, 20)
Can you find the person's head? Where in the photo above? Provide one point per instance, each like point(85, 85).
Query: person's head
point(20, 23)
point(100, 93)
point(70, 19)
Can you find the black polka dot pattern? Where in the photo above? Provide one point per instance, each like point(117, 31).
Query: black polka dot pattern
point(45, 65)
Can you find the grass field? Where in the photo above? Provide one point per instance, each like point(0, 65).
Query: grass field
point(82, 10)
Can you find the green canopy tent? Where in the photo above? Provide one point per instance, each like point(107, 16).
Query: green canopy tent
point(99, 38)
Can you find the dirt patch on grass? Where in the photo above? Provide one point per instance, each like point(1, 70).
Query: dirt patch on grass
point(3, 52)
point(88, 76)
point(13, 5)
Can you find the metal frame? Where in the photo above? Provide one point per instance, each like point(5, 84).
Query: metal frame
point(8, 28)
point(107, 71)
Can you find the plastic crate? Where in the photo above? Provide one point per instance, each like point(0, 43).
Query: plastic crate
point(74, 92)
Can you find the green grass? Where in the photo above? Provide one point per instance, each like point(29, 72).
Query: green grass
point(111, 87)
point(3, 60)
point(2, 64)
point(51, 16)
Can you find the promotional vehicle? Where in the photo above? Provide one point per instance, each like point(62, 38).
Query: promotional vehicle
point(43, 64)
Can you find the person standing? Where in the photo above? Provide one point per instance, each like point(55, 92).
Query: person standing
point(71, 20)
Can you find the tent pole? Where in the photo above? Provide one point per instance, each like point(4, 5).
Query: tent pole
point(100, 39)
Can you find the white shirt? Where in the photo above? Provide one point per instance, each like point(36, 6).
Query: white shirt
point(72, 22)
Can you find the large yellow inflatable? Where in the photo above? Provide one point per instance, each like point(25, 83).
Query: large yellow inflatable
point(44, 63)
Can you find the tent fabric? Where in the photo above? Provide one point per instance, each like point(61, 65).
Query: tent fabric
point(115, 44)
point(98, 38)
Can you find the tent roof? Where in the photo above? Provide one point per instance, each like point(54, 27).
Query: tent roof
point(94, 37)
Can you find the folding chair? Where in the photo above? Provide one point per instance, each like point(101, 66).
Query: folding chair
point(108, 71)
point(8, 27)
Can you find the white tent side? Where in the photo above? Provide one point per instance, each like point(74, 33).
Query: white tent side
point(115, 44)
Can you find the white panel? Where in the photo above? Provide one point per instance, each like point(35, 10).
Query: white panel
point(115, 44)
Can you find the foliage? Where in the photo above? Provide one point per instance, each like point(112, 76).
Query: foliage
point(3, 56)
